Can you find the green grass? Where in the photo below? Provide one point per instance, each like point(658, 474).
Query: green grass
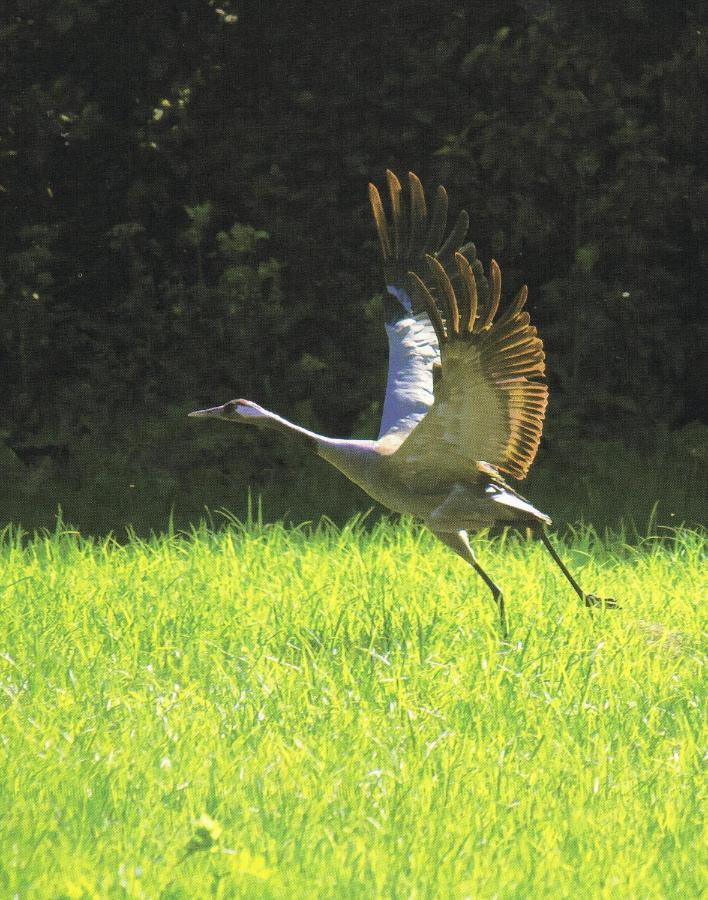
point(341, 708)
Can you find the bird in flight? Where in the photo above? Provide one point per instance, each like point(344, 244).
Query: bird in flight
point(465, 394)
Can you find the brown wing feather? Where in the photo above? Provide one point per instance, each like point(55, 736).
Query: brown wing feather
point(490, 400)
point(414, 231)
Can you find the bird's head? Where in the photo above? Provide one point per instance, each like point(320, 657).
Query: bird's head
point(233, 411)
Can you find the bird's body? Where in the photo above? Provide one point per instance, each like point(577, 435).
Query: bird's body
point(465, 395)
point(413, 486)
point(404, 483)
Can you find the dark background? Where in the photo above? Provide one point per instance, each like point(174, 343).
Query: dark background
point(184, 220)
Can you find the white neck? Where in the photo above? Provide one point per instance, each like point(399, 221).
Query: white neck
point(352, 458)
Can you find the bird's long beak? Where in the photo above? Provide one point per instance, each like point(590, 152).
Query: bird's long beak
point(215, 411)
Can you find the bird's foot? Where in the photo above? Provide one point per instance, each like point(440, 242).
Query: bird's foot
point(592, 601)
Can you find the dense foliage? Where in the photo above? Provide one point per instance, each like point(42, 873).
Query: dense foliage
point(184, 219)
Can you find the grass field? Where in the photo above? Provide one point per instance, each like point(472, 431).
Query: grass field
point(262, 712)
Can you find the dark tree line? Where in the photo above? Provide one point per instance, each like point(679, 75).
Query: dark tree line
point(184, 219)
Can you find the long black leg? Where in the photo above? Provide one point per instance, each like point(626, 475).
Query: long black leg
point(459, 542)
point(588, 599)
point(496, 592)
point(559, 562)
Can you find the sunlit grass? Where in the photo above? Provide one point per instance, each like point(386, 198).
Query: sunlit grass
point(263, 712)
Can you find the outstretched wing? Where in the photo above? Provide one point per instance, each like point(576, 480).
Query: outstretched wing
point(490, 399)
point(413, 343)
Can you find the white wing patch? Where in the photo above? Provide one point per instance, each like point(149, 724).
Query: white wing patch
point(412, 350)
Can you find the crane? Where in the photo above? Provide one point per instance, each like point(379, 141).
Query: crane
point(465, 395)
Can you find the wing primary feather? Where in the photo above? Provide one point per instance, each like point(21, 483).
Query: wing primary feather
point(526, 347)
point(505, 328)
point(516, 341)
point(445, 287)
point(495, 278)
point(419, 212)
point(380, 220)
point(522, 368)
point(468, 279)
point(528, 344)
point(394, 189)
point(517, 304)
point(456, 236)
point(529, 435)
point(430, 306)
point(525, 354)
point(469, 251)
point(438, 221)
point(527, 358)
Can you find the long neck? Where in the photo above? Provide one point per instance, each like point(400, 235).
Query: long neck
point(352, 458)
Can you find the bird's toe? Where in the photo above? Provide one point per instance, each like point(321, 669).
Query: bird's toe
point(592, 600)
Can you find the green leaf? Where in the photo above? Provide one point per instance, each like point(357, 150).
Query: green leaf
point(586, 257)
